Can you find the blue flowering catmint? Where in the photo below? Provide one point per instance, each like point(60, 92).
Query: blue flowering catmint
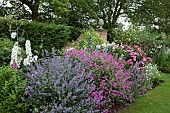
point(59, 84)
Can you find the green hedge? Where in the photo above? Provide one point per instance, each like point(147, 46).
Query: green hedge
point(12, 91)
point(47, 35)
point(5, 51)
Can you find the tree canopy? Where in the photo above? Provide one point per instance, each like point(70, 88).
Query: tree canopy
point(84, 13)
point(152, 12)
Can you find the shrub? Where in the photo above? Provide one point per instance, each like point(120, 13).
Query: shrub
point(59, 84)
point(110, 79)
point(89, 39)
point(42, 35)
point(5, 51)
point(162, 59)
point(11, 91)
point(148, 41)
point(130, 54)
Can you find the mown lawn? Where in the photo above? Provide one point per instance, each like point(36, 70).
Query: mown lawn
point(155, 101)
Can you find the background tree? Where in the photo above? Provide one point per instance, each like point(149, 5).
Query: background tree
point(152, 12)
point(37, 10)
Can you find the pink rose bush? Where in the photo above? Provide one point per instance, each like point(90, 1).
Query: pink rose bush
point(131, 55)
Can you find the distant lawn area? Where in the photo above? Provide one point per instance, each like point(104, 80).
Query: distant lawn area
point(156, 100)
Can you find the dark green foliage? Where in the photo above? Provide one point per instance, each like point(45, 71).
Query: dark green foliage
point(75, 33)
point(162, 59)
point(5, 51)
point(11, 91)
point(151, 12)
point(41, 35)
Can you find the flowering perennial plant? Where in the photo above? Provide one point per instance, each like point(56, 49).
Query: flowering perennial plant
point(29, 57)
point(16, 56)
point(112, 85)
point(108, 48)
point(138, 78)
point(131, 55)
point(136, 54)
point(59, 84)
point(151, 74)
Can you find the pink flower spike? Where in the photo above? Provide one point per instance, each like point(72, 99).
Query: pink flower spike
point(133, 53)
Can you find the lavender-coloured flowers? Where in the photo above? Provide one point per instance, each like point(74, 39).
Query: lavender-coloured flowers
point(59, 84)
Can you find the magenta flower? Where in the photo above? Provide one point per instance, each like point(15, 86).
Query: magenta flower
point(134, 58)
point(130, 61)
point(129, 51)
point(107, 68)
point(108, 75)
point(133, 53)
point(14, 65)
point(90, 64)
point(150, 59)
point(144, 59)
point(136, 46)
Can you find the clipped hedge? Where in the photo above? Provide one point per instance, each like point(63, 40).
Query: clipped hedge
point(42, 35)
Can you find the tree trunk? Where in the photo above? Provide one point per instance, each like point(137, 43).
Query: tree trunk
point(34, 10)
point(33, 6)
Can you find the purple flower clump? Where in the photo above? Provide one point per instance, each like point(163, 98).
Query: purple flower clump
point(138, 78)
point(60, 85)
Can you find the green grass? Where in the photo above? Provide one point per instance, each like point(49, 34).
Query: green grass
point(156, 100)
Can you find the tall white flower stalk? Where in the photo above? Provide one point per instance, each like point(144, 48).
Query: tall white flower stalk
point(29, 58)
point(16, 55)
point(16, 58)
